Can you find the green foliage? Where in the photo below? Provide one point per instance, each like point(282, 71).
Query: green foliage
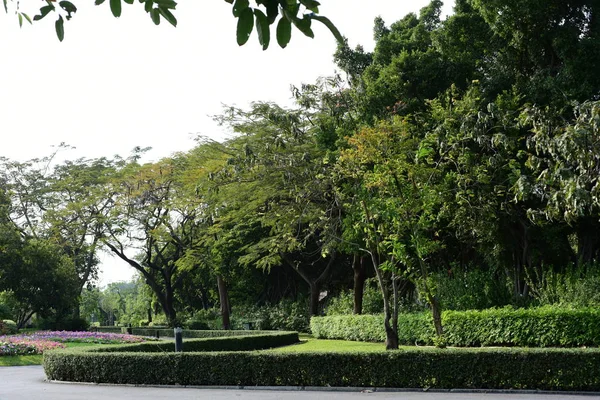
point(266, 13)
point(413, 328)
point(8, 327)
point(472, 289)
point(536, 327)
point(5, 311)
point(286, 315)
point(535, 369)
point(63, 323)
point(189, 333)
point(576, 287)
point(343, 303)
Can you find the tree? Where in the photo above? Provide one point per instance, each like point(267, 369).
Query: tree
point(40, 280)
point(280, 176)
point(65, 203)
point(299, 13)
point(148, 216)
point(397, 195)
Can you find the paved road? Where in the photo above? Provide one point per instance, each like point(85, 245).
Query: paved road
point(28, 383)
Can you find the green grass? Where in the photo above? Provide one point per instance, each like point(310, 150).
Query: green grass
point(308, 344)
point(18, 361)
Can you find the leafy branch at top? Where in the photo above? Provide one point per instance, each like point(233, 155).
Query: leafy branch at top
point(260, 17)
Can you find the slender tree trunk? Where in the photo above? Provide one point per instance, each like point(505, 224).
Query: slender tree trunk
point(314, 285)
point(358, 265)
point(436, 311)
point(315, 292)
point(224, 300)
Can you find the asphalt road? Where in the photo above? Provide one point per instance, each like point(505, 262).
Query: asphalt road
point(28, 383)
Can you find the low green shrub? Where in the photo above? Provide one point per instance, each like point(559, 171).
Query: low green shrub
point(286, 315)
point(108, 329)
point(508, 368)
point(8, 327)
point(187, 333)
point(242, 342)
point(343, 303)
point(196, 325)
point(575, 286)
point(535, 327)
point(63, 324)
point(5, 311)
point(472, 289)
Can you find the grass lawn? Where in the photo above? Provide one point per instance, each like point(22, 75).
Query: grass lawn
point(308, 344)
point(18, 361)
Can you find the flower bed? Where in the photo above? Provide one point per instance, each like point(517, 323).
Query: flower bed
point(38, 342)
point(20, 346)
point(86, 337)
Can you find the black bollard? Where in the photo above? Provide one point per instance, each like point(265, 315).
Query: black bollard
point(178, 340)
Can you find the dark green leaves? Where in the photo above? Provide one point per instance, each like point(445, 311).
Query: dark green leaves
point(240, 6)
point(60, 29)
point(43, 12)
point(284, 32)
point(330, 25)
point(311, 5)
point(245, 26)
point(69, 8)
point(303, 25)
point(115, 8)
point(262, 27)
point(166, 14)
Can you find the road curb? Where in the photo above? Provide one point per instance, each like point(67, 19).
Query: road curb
point(339, 389)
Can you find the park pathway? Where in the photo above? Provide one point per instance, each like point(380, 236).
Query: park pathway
point(28, 383)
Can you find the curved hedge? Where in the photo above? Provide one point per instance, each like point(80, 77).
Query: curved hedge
point(506, 368)
point(535, 327)
point(190, 333)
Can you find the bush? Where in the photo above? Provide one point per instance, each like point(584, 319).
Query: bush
point(8, 327)
point(286, 315)
point(472, 290)
point(241, 342)
point(535, 327)
point(575, 287)
point(413, 328)
point(196, 325)
point(186, 333)
point(343, 304)
point(63, 324)
point(108, 329)
point(534, 369)
point(5, 312)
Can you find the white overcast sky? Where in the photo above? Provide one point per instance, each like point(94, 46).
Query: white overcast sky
point(114, 84)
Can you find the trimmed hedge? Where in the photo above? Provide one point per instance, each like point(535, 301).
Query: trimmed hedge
point(505, 368)
point(106, 329)
point(535, 327)
point(260, 341)
point(188, 333)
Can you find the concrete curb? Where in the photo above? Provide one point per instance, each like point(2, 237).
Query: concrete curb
point(339, 389)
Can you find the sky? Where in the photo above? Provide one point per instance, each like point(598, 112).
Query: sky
point(114, 84)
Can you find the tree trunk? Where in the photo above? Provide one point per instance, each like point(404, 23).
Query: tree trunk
point(314, 285)
point(224, 300)
point(436, 310)
point(358, 265)
point(588, 242)
point(315, 292)
point(149, 314)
